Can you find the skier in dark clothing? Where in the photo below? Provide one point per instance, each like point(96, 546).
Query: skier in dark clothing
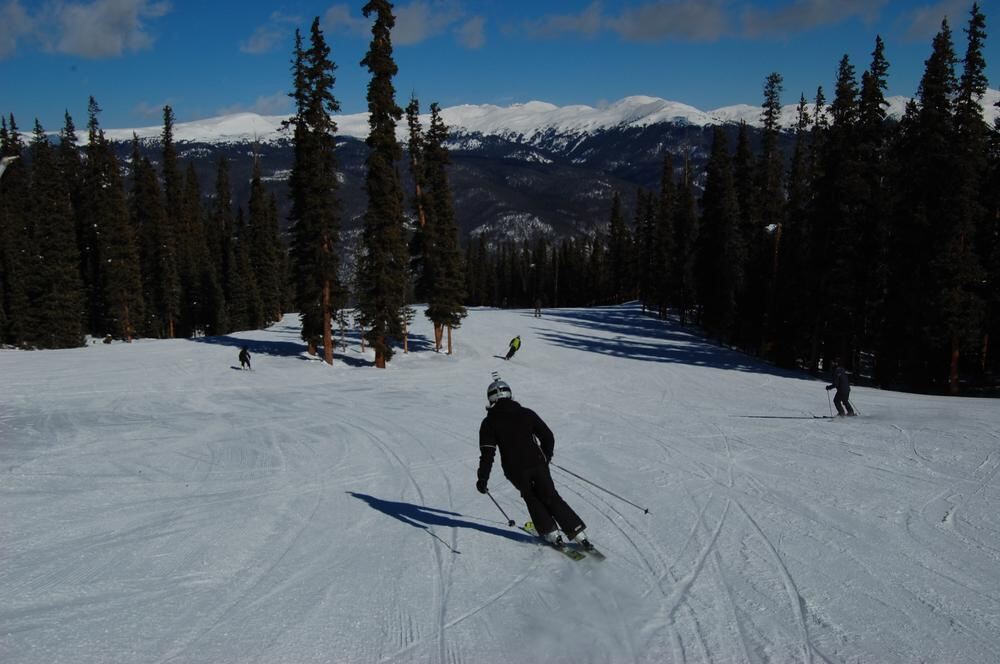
point(515, 344)
point(245, 358)
point(526, 446)
point(841, 383)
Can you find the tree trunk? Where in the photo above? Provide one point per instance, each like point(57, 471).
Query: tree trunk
point(126, 322)
point(953, 375)
point(406, 337)
point(438, 334)
point(985, 352)
point(449, 339)
point(327, 325)
point(380, 354)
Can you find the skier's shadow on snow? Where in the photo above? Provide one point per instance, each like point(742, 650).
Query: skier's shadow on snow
point(420, 516)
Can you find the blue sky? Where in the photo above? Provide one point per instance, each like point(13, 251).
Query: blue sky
point(207, 58)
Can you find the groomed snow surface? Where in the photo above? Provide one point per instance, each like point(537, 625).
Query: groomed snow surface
point(160, 505)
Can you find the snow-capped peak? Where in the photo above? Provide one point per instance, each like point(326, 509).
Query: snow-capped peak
point(526, 120)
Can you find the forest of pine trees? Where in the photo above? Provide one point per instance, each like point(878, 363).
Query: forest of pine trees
point(871, 240)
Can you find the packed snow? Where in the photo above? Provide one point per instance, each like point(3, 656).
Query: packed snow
point(527, 121)
point(161, 505)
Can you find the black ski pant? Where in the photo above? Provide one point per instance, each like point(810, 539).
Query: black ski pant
point(547, 508)
point(840, 400)
point(510, 353)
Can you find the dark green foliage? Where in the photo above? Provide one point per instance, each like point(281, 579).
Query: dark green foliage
point(112, 274)
point(619, 258)
point(14, 235)
point(722, 254)
point(55, 293)
point(443, 258)
point(382, 265)
point(315, 213)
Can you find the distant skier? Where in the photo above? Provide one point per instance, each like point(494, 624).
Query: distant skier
point(841, 383)
point(538, 307)
point(245, 358)
point(526, 446)
point(515, 345)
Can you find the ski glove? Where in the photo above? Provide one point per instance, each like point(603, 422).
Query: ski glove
point(481, 486)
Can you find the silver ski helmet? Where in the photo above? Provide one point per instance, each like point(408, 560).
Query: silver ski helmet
point(497, 390)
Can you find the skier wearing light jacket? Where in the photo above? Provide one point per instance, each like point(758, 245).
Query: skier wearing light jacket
point(526, 445)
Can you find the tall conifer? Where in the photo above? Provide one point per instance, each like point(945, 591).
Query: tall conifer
point(382, 266)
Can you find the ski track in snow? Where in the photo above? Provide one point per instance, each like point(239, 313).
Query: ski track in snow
point(160, 507)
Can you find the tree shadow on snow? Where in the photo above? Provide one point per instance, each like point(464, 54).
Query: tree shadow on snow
point(645, 337)
point(423, 517)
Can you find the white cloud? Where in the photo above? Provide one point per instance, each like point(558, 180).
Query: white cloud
point(277, 104)
point(275, 33)
point(925, 22)
point(15, 24)
point(588, 23)
point(684, 20)
point(472, 34)
point(807, 15)
point(101, 29)
point(420, 20)
point(338, 18)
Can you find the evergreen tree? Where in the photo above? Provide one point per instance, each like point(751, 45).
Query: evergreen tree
point(117, 307)
point(872, 257)
point(264, 246)
point(55, 294)
point(219, 230)
point(663, 240)
point(795, 305)
point(156, 257)
point(750, 317)
point(418, 241)
point(771, 186)
point(958, 267)
point(447, 288)
point(207, 308)
point(14, 234)
point(178, 288)
point(382, 267)
point(315, 213)
point(619, 253)
point(840, 201)
point(721, 256)
point(686, 242)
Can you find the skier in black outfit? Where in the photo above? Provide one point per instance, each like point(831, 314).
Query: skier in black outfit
point(244, 358)
point(526, 446)
point(841, 383)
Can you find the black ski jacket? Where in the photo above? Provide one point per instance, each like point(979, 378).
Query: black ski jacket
point(522, 437)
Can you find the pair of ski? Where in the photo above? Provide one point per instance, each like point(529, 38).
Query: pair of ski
point(571, 550)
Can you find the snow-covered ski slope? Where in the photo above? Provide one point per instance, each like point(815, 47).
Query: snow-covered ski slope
point(159, 505)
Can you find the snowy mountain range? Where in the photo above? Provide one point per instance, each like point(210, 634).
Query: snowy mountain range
point(527, 121)
point(517, 171)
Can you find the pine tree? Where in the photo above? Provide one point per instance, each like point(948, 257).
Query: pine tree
point(179, 282)
point(663, 240)
point(619, 253)
point(418, 240)
point(958, 266)
point(117, 305)
point(14, 234)
point(721, 251)
point(446, 288)
point(771, 186)
point(872, 257)
point(686, 242)
point(315, 213)
point(156, 257)
point(53, 283)
point(750, 300)
point(264, 246)
point(382, 267)
point(219, 226)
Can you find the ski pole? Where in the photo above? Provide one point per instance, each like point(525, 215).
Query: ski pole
point(510, 521)
point(644, 509)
